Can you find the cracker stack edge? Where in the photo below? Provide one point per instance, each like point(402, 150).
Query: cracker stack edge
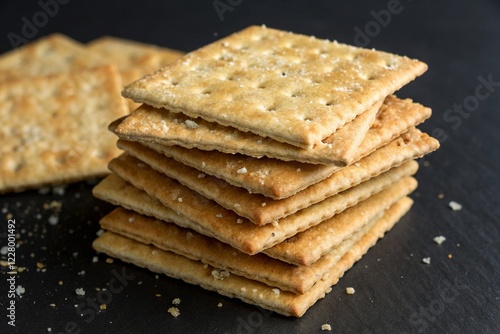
point(264, 165)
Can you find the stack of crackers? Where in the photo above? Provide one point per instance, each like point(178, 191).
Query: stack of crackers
point(264, 165)
point(57, 97)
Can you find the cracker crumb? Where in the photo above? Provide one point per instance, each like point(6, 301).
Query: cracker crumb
point(326, 327)
point(242, 170)
point(455, 206)
point(158, 295)
point(350, 290)
point(174, 311)
point(450, 256)
point(176, 301)
point(109, 260)
point(191, 124)
point(440, 196)
point(102, 306)
point(52, 305)
point(20, 290)
point(95, 259)
point(426, 260)
point(40, 265)
point(80, 291)
point(220, 274)
point(219, 305)
point(53, 220)
point(60, 282)
point(439, 239)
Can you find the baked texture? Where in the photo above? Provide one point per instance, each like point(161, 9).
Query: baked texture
point(258, 267)
point(409, 146)
point(275, 179)
point(234, 286)
point(293, 88)
point(159, 197)
point(54, 127)
point(48, 55)
point(152, 125)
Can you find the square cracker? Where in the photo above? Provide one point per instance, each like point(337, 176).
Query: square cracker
point(148, 124)
point(234, 286)
point(258, 267)
point(51, 54)
point(54, 127)
point(158, 197)
point(264, 210)
point(293, 88)
point(278, 180)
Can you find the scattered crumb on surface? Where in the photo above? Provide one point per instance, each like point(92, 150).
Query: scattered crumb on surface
point(350, 290)
point(426, 260)
point(174, 311)
point(326, 327)
point(20, 290)
point(455, 206)
point(95, 259)
point(439, 239)
point(80, 291)
point(440, 196)
point(219, 305)
point(450, 256)
point(176, 301)
point(109, 260)
point(102, 306)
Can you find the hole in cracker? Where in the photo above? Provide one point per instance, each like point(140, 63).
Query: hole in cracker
point(262, 85)
point(206, 91)
point(271, 108)
point(331, 103)
point(283, 74)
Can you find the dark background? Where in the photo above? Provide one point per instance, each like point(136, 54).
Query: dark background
point(395, 291)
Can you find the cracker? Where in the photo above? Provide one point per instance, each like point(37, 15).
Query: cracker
point(148, 124)
point(293, 88)
point(54, 127)
point(51, 54)
point(275, 179)
point(234, 286)
point(195, 246)
point(263, 210)
point(163, 127)
point(206, 217)
point(310, 245)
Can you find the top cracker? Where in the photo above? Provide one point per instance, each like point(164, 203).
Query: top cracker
point(293, 88)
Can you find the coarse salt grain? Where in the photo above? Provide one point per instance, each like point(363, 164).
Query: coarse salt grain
point(242, 170)
point(439, 239)
point(326, 327)
point(455, 206)
point(350, 290)
point(426, 260)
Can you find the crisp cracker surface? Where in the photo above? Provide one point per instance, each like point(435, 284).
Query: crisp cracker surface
point(234, 286)
point(409, 146)
point(292, 88)
point(51, 54)
point(257, 208)
point(206, 217)
point(149, 124)
point(54, 127)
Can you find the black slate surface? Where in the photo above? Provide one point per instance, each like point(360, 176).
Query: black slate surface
point(395, 291)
